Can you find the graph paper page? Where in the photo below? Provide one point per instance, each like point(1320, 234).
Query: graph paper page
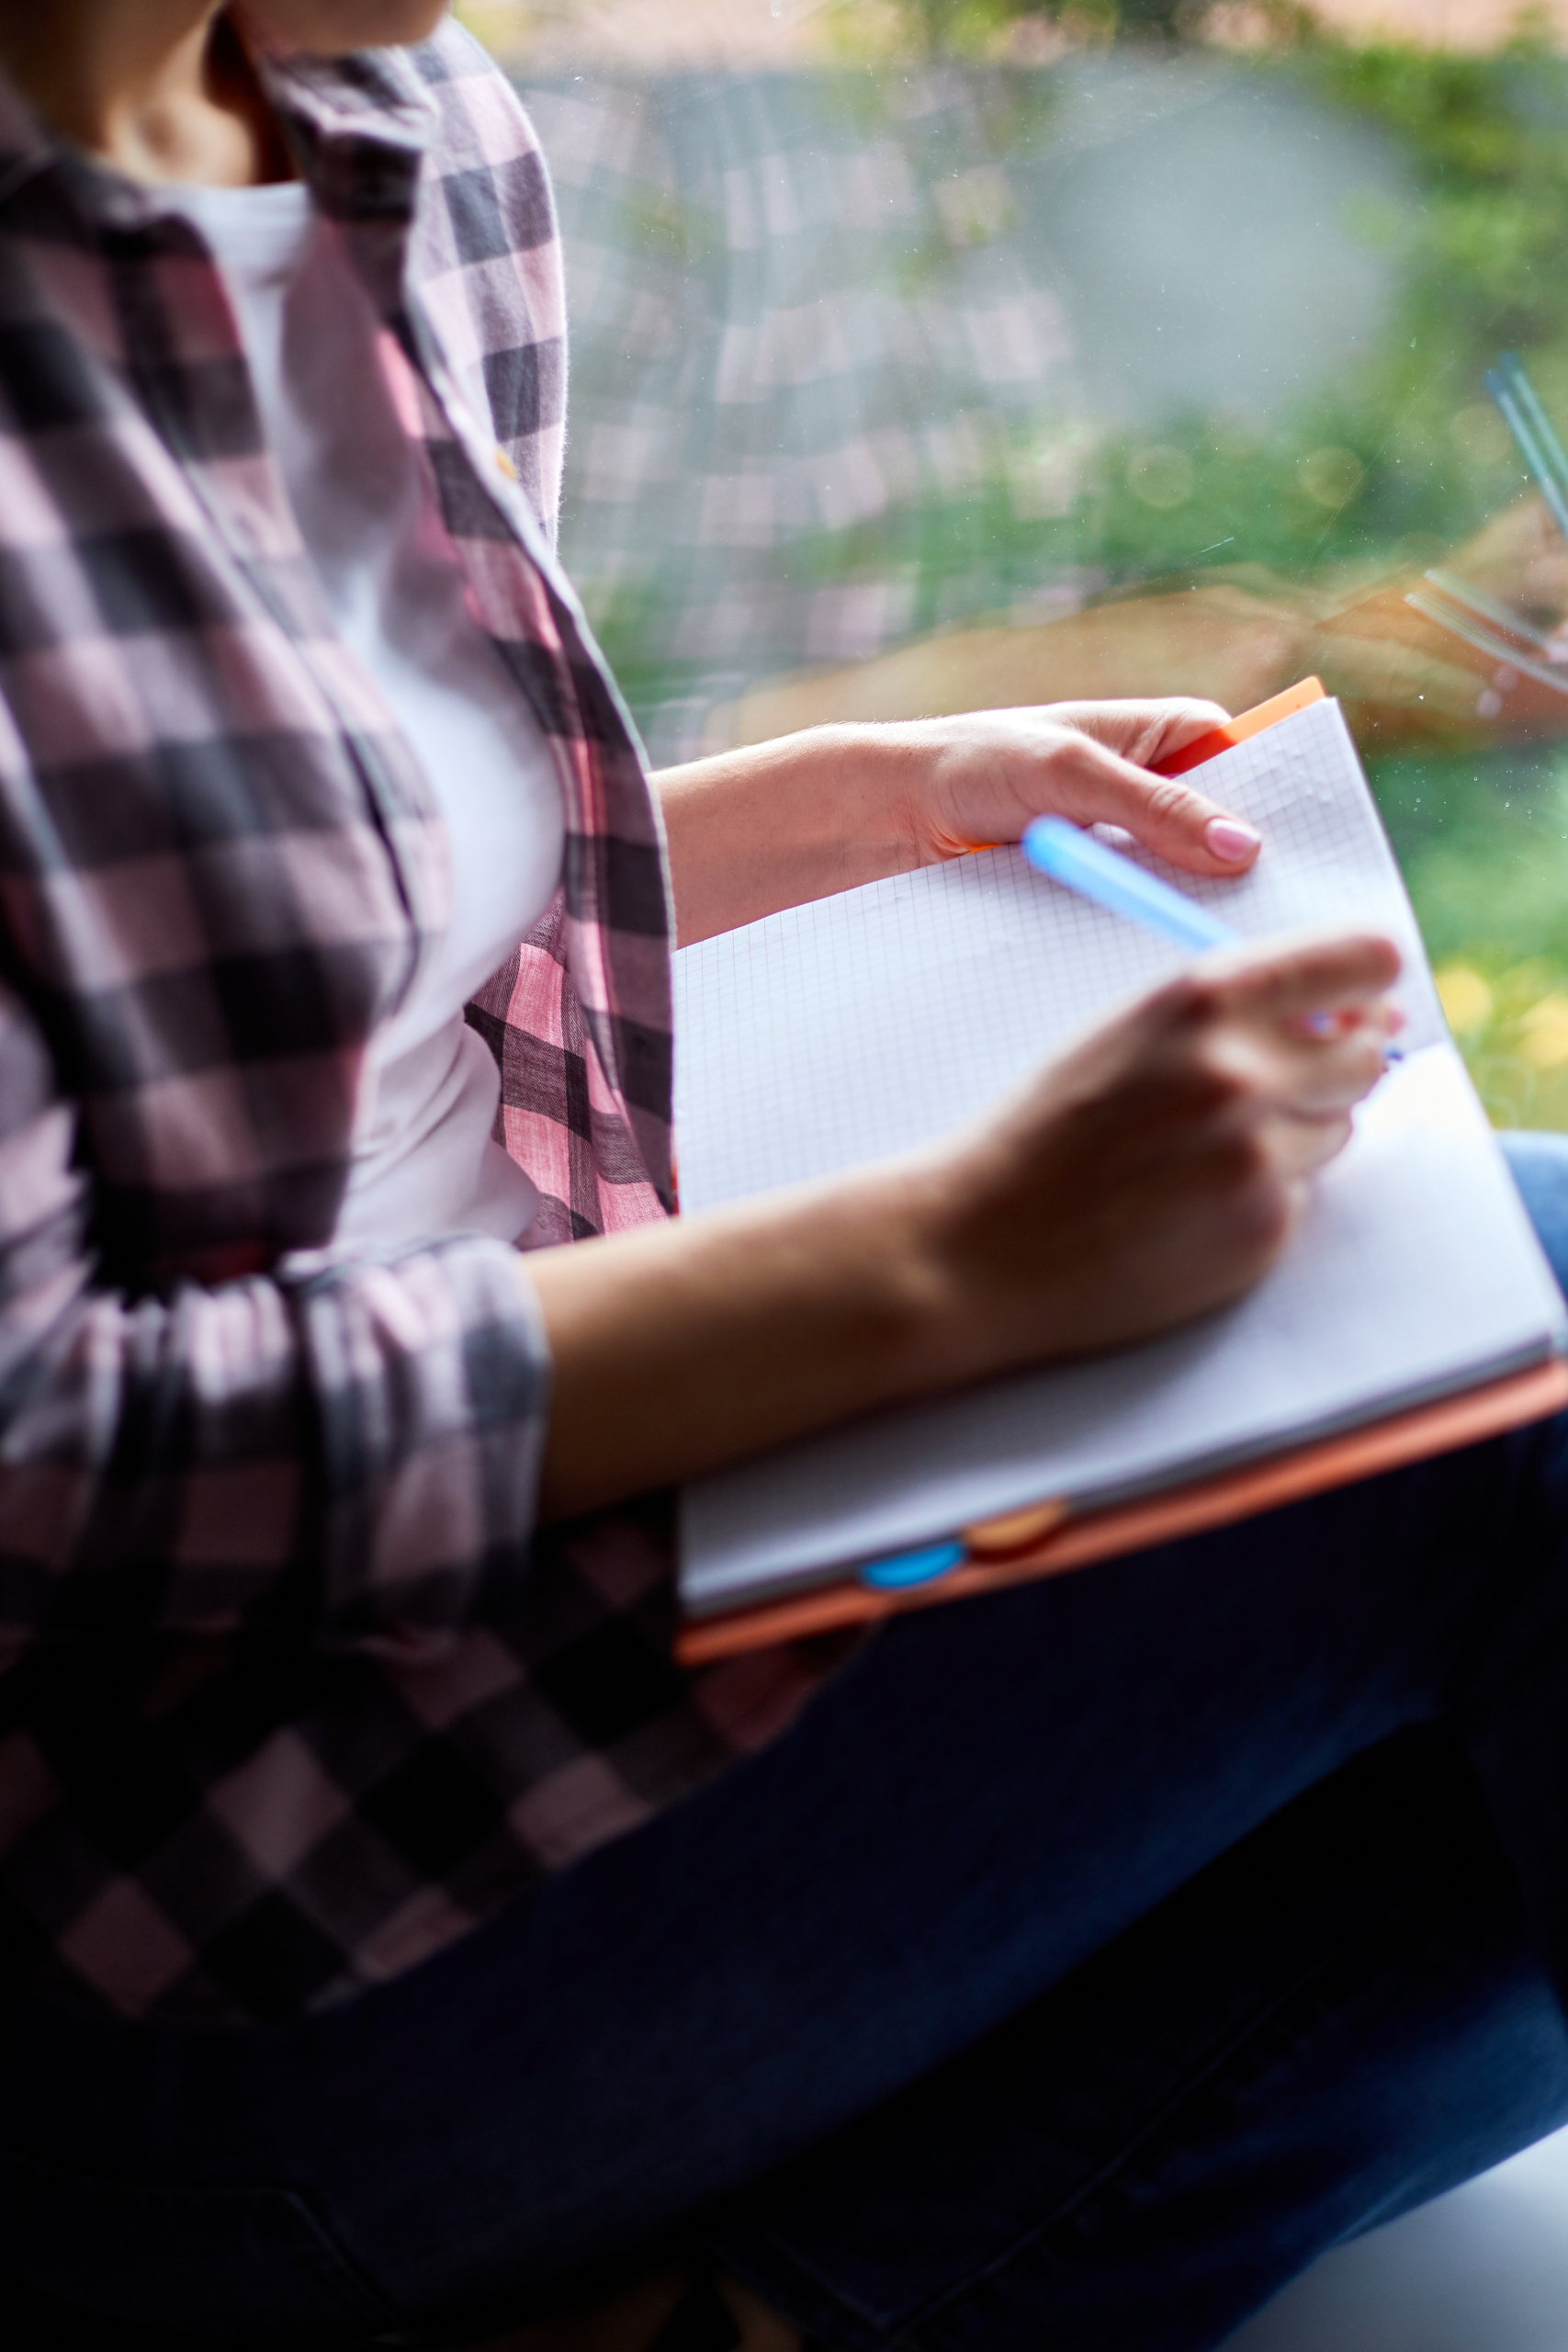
point(876, 1021)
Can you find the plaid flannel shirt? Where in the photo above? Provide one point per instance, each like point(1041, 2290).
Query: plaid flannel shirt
point(292, 1692)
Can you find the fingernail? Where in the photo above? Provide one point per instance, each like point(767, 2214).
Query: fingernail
point(1230, 841)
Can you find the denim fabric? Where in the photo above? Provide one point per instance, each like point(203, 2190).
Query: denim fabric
point(1226, 1940)
point(1344, 2016)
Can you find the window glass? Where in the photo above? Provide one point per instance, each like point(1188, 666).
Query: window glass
point(936, 353)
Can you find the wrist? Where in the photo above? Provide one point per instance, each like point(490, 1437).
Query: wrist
point(679, 1348)
point(875, 783)
point(856, 1277)
point(752, 832)
point(904, 776)
point(920, 1256)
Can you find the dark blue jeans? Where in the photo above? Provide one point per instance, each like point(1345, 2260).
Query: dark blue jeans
point(1083, 1963)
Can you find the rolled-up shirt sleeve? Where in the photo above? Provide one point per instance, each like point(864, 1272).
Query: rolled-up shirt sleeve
point(346, 1444)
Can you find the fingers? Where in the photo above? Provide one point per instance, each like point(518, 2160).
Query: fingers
point(1087, 762)
point(1300, 1027)
point(1299, 1148)
point(1320, 972)
point(1297, 1098)
point(1290, 1080)
point(1295, 1082)
point(1095, 784)
point(1145, 731)
point(1159, 1167)
point(1290, 1039)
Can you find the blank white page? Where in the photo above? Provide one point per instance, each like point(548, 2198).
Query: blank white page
point(870, 1024)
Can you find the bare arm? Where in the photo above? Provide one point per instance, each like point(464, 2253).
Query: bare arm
point(775, 825)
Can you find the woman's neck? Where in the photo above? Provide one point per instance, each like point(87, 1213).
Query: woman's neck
point(162, 89)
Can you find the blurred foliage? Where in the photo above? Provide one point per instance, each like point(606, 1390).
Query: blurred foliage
point(1511, 1022)
point(1400, 460)
point(1394, 464)
point(1391, 465)
point(1484, 844)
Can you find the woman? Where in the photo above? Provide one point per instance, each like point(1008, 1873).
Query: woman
point(362, 1967)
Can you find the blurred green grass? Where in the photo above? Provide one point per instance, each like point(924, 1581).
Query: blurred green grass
point(1484, 851)
point(1483, 842)
point(1399, 461)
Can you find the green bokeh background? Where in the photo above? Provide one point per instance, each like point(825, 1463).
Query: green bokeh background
point(1402, 460)
point(1399, 461)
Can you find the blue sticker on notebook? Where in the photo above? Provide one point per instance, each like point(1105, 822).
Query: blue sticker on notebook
point(904, 1569)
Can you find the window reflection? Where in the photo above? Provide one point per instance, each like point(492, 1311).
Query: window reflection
point(1007, 356)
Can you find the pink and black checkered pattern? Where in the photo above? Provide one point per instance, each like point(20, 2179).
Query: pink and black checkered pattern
point(292, 1693)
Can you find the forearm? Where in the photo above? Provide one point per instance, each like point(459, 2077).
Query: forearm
point(752, 830)
point(682, 1347)
point(776, 824)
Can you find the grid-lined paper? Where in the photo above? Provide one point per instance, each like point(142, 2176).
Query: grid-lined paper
point(872, 1023)
point(875, 1021)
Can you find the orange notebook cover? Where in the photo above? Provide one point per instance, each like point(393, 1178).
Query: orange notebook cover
point(1050, 1539)
point(1075, 1542)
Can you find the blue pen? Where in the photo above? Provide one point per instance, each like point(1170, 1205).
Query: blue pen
point(1088, 866)
point(1094, 871)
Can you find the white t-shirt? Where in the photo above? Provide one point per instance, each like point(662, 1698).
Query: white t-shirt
point(424, 1159)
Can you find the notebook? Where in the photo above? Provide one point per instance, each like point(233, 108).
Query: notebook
point(872, 1022)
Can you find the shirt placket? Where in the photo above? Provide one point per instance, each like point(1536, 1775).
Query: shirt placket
point(252, 518)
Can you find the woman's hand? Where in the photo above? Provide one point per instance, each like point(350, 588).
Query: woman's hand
point(752, 830)
point(1159, 1167)
point(982, 776)
point(1151, 1172)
